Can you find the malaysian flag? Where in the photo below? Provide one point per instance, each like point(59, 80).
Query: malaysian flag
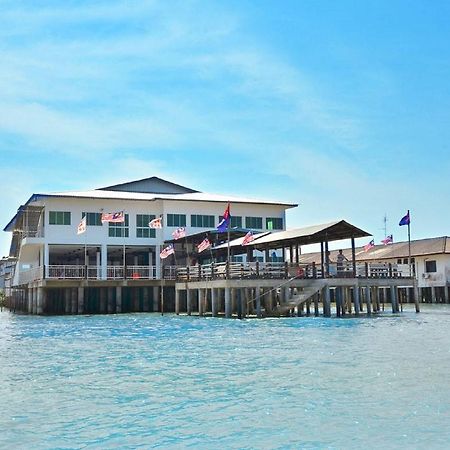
point(117, 217)
point(225, 222)
point(155, 223)
point(248, 238)
point(370, 245)
point(387, 240)
point(169, 250)
point(203, 245)
point(179, 233)
point(82, 226)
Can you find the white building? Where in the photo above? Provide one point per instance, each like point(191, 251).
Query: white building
point(47, 246)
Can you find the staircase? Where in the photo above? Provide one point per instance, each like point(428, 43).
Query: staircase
point(306, 294)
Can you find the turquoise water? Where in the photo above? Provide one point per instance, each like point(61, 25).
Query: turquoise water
point(144, 381)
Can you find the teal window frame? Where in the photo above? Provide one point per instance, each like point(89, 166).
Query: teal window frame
point(120, 229)
point(254, 223)
point(202, 221)
point(277, 223)
point(142, 228)
point(93, 219)
point(59, 218)
point(176, 220)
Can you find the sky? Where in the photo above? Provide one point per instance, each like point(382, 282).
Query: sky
point(342, 107)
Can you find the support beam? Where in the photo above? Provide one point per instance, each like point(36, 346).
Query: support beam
point(368, 300)
point(118, 299)
point(326, 302)
point(214, 305)
point(177, 302)
point(188, 302)
point(80, 300)
point(227, 302)
point(356, 299)
point(258, 302)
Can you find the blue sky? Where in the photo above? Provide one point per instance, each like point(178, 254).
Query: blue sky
point(342, 107)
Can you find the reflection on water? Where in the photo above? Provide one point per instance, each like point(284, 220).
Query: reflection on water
point(144, 380)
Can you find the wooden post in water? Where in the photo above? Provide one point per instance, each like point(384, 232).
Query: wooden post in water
point(188, 302)
point(214, 308)
point(102, 300)
point(227, 303)
point(200, 301)
point(368, 301)
point(316, 304)
point(145, 299)
point(80, 308)
point(258, 302)
point(326, 302)
point(155, 306)
point(356, 299)
point(233, 300)
point(177, 302)
point(118, 299)
point(338, 300)
point(67, 300)
point(111, 300)
point(393, 300)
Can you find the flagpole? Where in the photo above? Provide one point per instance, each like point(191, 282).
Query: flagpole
point(409, 245)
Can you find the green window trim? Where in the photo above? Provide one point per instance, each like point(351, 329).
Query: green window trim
point(119, 229)
point(202, 221)
point(59, 218)
point(93, 219)
point(274, 223)
point(142, 228)
point(176, 220)
point(254, 223)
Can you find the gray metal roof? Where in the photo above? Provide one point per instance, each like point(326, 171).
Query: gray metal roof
point(333, 231)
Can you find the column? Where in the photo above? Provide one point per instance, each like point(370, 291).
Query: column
point(111, 305)
point(118, 299)
point(233, 301)
point(67, 300)
point(98, 263)
point(393, 290)
point(73, 300)
point(177, 302)
point(316, 304)
point(188, 302)
point(227, 302)
point(155, 298)
point(326, 302)
point(80, 309)
point(158, 262)
point(433, 294)
point(151, 263)
point(40, 295)
point(103, 295)
point(356, 299)
point(104, 262)
point(416, 297)
point(258, 302)
point(368, 300)
point(145, 298)
point(446, 293)
point(214, 308)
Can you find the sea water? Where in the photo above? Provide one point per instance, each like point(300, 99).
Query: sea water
point(150, 381)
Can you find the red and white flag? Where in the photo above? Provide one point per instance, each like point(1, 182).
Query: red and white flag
point(388, 240)
point(82, 226)
point(155, 223)
point(169, 250)
point(370, 245)
point(117, 217)
point(203, 245)
point(179, 233)
point(248, 238)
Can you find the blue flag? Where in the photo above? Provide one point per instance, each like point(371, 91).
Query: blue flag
point(225, 222)
point(405, 220)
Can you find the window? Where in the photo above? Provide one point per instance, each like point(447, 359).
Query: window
point(119, 229)
point(59, 218)
point(274, 223)
point(92, 219)
point(236, 221)
point(253, 222)
point(142, 228)
point(237, 259)
point(176, 220)
point(202, 221)
point(430, 266)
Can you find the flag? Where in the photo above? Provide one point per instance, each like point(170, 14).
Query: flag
point(169, 250)
point(117, 217)
point(179, 233)
point(203, 245)
point(82, 226)
point(225, 222)
point(370, 245)
point(387, 240)
point(155, 223)
point(405, 220)
point(248, 238)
